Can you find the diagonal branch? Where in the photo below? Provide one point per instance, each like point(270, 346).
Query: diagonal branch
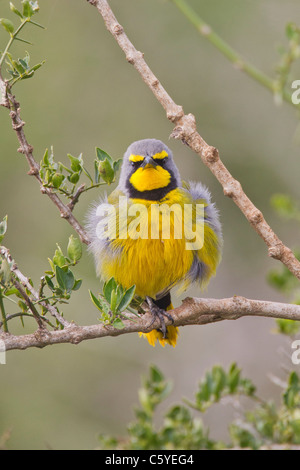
point(9, 101)
point(185, 130)
point(193, 311)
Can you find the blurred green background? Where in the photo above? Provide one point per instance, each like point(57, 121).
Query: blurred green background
point(87, 95)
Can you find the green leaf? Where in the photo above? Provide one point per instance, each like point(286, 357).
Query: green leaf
point(101, 305)
point(101, 155)
point(108, 287)
point(24, 63)
point(74, 249)
point(106, 171)
point(3, 228)
point(65, 278)
point(95, 301)
point(76, 163)
point(28, 11)
point(49, 283)
point(97, 175)
point(7, 25)
point(74, 178)
point(117, 323)
point(57, 180)
point(11, 291)
point(285, 206)
point(155, 374)
point(287, 327)
point(77, 284)
point(117, 164)
point(45, 161)
point(126, 299)
point(15, 10)
point(58, 258)
point(114, 300)
point(23, 306)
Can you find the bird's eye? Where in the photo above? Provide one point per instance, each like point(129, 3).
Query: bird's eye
point(162, 161)
point(135, 164)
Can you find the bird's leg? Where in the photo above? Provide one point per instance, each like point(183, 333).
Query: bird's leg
point(159, 313)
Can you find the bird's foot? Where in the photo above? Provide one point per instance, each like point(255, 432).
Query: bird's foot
point(159, 313)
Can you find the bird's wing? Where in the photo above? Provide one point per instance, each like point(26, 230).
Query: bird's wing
point(207, 258)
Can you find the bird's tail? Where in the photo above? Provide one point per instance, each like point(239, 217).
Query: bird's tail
point(156, 335)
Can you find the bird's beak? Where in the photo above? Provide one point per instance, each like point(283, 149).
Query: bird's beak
point(148, 163)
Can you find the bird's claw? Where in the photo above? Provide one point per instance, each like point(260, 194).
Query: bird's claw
point(160, 314)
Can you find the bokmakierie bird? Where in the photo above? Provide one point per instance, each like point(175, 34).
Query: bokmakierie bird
point(155, 265)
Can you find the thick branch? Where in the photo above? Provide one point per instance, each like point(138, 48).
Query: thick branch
point(185, 129)
point(193, 311)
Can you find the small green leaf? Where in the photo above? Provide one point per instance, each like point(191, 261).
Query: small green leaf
point(106, 171)
point(23, 306)
point(117, 164)
point(15, 10)
point(5, 271)
point(74, 249)
point(117, 323)
point(77, 284)
point(97, 175)
point(76, 163)
point(11, 291)
point(113, 301)
point(108, 287)
point(58, 258)
point(74, 178)
point(27, 9)
point(126, 299)
point(3, 228)
point(7, 25)
point(101, 155)
point(49, 283)
point(57, 180)
point(287, 327)
point(65, 278)
point(102, 306)
point(95, 301)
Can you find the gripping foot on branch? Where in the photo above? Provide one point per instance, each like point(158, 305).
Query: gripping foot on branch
point(159, 313)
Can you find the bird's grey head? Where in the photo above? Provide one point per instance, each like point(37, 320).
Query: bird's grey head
point(148, 170)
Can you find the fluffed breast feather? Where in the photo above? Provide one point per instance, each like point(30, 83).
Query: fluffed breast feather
point(203, 262)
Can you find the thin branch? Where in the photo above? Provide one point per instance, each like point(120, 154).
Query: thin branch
point(10, 102)
point(185, 130)
point(25, 282)
point(29, 304)
point(76, 197)
point(193, 311)
point(231, 54)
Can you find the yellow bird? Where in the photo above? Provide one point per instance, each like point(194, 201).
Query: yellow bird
point(159, 232)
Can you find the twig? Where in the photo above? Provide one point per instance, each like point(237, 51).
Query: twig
point(232, 55)
point(29, 304)
point(193, 311)
point(25, 282)
point(10, 102)
point(185, 130)
point(76, 197)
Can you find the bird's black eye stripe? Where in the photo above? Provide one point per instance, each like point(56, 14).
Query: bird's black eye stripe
point(160, 161)
point(136, 164)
